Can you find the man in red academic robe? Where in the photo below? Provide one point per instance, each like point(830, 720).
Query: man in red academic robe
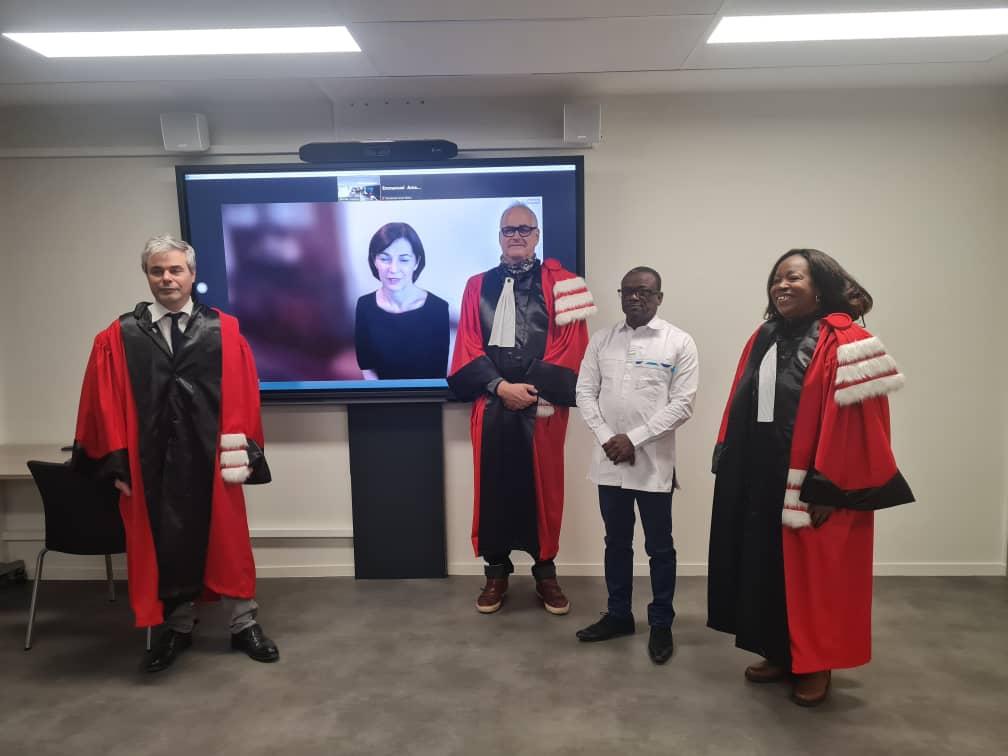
point(520, 342)
point(169, 412)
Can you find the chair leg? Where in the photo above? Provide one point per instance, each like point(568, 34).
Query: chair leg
point(108, 575)
point(34, 598)
point(148, 637)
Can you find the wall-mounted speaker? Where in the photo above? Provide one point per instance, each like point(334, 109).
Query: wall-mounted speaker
point(185, 132)
point(582, 123)
point(365, 152)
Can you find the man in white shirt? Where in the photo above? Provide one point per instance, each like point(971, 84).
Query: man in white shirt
point(637, 384)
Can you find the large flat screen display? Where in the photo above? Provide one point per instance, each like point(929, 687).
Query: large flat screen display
point(347, 278)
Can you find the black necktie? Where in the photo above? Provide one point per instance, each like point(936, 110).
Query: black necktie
point(176, 332)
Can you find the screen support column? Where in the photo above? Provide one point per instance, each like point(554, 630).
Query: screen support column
point(397, 487)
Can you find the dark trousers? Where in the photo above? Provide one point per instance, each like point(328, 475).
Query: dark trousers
point(617, 505)
point(500, 565)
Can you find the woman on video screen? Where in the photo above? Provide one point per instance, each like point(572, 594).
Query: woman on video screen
point(401, 330)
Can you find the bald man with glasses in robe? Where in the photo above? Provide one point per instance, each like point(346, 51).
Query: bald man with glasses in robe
point(521, 337)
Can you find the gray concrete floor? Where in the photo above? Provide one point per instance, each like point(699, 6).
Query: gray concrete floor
point(409, 667)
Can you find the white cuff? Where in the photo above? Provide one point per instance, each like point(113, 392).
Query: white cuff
point(236, 458)
point(235, 474)
point(603, 433)
point(639, 435)
point(229, 441)
point(795, 519)
point(543, 408)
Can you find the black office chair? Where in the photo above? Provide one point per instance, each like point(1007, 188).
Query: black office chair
point(81, 517)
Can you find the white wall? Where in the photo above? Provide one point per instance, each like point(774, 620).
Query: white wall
point(906, 188)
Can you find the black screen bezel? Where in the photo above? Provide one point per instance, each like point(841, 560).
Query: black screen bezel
point(380, 395)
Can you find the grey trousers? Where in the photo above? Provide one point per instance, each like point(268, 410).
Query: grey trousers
point(243, 615)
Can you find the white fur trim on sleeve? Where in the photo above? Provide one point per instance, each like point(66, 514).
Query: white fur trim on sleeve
point(796, 519)
point(569, 284)
point(583, 313)
point(544, 408)
point(235, 474)
point(859, 350)
point(795, 513)
point(866, 390)
point(865, 369)
point(572, 301)
point(234, 458)
point(795, 478)
point(233, 441)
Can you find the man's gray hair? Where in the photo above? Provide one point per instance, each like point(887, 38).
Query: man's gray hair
point(521, 205)
point(167, 243)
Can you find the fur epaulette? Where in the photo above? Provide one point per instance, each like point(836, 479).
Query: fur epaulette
point(572, 301)
point(865, 370)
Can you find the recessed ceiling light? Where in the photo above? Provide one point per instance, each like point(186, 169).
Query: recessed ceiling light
point(983, 22)
point(175, 42)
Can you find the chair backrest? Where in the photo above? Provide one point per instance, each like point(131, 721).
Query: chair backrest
point(81, 514)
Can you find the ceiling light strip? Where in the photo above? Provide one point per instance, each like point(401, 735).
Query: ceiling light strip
point(184, 42)
point(821, 27)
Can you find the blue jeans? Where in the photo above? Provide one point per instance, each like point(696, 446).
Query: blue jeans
point(617, 505)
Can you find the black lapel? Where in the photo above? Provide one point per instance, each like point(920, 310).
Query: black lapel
point(141, 315)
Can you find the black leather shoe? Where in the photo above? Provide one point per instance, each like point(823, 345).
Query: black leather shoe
point(253, 641)
point(165, 649)
point(606, 628)
point(660, 645)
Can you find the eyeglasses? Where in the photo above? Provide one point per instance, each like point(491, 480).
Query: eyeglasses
point(640, 293)
point(522, 230)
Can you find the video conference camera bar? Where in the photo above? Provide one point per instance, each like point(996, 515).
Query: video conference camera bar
point(408, 150)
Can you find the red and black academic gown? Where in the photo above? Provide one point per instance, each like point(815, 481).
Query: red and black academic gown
point(184, 431)
point(797, 595)
point(518, 456)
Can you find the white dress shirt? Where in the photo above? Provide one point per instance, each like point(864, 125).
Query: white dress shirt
point(641, 382)
point(159, 316)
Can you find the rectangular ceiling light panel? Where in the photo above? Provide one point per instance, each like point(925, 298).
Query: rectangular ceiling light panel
point(819, 27)
point(181, 42)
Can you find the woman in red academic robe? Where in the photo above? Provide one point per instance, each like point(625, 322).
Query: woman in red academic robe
point(803, 459)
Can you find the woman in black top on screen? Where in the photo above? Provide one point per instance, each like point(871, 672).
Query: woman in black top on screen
point(401, 330)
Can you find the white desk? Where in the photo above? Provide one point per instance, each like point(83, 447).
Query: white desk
point(14, 458)
point(13, 466)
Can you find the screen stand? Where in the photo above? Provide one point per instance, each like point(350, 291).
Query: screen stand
point(397, 486)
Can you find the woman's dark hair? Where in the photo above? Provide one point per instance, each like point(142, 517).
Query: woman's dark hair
point(389, 233)
point(838, 290)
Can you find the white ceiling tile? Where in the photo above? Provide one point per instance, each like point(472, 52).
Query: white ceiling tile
point(558, 48)
point(846, 53)
point(64, 15)
point(484, 10)
point(530, 47)
point(187, 93)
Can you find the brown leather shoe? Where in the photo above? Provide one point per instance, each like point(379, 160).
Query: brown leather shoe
point(765, 672)
point(811, 689)
point(554, 601)
point(490, 599)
